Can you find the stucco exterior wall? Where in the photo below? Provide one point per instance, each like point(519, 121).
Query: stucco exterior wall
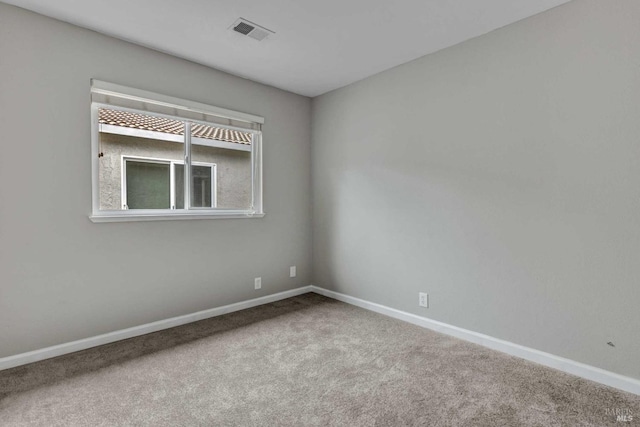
point(233, 171)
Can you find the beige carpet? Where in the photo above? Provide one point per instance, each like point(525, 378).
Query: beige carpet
point(307, 360)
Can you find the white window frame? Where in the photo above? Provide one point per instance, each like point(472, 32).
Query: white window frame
point(109, 89)
point(172, 175)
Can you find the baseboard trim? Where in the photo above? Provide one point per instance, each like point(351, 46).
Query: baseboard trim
point(83, 344)
point(582, 370)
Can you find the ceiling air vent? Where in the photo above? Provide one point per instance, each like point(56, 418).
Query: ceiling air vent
point(250, 29)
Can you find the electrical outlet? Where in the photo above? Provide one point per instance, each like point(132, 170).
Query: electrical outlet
point(423, 299)
point(292, 271)
point(258, 282)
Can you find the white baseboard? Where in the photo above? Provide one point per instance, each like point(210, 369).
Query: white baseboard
point(70, 347)
point(560, 363)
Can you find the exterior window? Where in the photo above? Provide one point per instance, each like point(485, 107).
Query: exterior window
point(202, 189)
point(197, 161)
point(148, 184)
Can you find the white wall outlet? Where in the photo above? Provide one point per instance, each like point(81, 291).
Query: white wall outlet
point(258, 282)
point(423, 299)
point(292, 271)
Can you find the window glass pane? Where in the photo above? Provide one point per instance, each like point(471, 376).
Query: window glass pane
point(201, 190)
point(178, 179)
point(148, 185)
point(141, 163)
point(201, 186)
point(221, 167)
point(125, 134)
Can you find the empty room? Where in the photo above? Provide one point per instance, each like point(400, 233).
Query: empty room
point(337, 213)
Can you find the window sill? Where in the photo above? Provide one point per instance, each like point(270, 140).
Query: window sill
point(129, 217)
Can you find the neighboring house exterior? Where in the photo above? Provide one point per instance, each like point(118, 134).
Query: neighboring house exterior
point(142, 163)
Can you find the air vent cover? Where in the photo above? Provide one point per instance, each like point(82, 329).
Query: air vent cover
point(250, 29)
point(243, 28)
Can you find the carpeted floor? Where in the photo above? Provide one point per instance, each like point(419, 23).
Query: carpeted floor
point(307, 360)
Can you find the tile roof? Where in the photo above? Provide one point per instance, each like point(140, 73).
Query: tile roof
point(175, 127)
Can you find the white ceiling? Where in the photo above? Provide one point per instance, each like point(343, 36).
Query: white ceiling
point(319, 45)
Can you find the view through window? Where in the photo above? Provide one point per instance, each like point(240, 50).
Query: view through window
point(142, 163)
point(159, 156)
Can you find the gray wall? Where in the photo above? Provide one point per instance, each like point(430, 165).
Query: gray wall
point(501, 176)
point(57, 280)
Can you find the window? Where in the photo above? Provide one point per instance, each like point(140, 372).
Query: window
point(159, 184)
point(158, 157)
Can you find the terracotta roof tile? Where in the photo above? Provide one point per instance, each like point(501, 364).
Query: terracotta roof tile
point(175, 127)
